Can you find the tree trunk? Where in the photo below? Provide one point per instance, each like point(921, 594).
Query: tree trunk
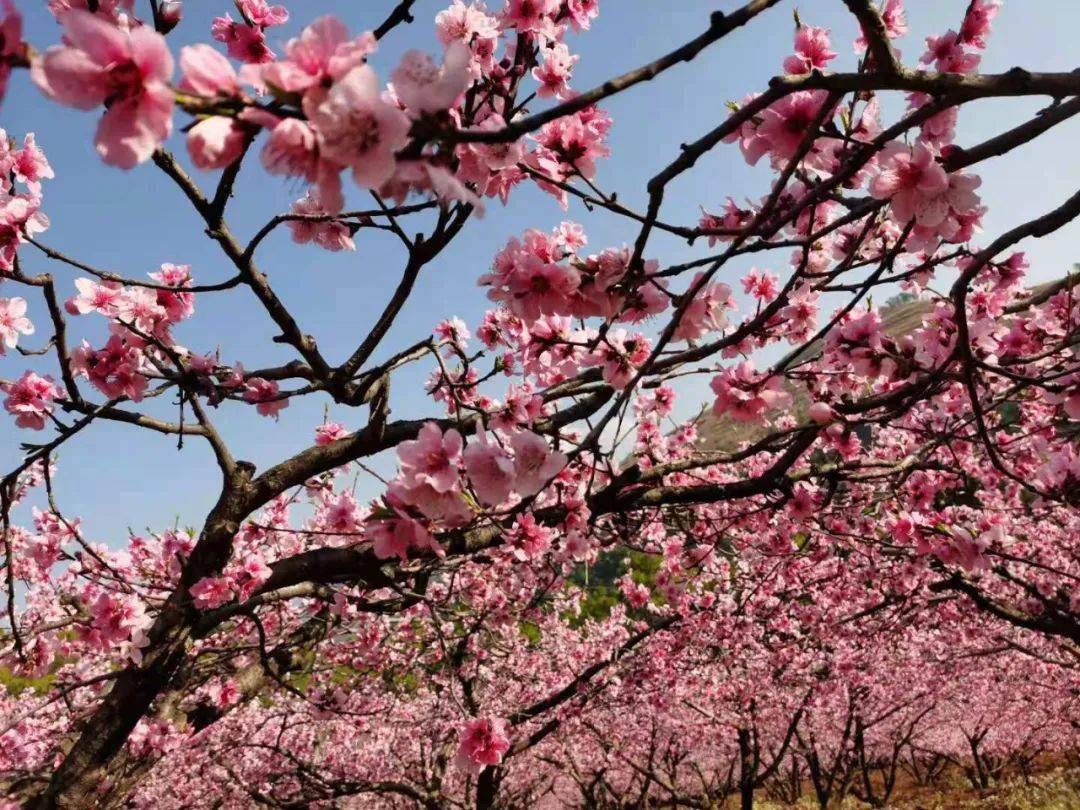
point(487, 787)
point(747, 775)
point(75, 782)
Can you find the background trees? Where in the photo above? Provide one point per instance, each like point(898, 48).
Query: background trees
point(859, 558)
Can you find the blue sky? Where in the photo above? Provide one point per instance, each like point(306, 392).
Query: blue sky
point(116, 476)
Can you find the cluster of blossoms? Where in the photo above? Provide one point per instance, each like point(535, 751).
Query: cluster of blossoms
point(22, 168)
point(429, 491)
point(568, 588)
point(246, 39)
point(339, 117)
point(140, 322)
point(943, 206)
point(13, 50)
point(778, 606)
point(747, 395)
point(30, 399)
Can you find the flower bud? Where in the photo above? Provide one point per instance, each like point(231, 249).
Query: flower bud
point(169, 15)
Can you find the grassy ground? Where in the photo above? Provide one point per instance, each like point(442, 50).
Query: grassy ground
point(1057, 789)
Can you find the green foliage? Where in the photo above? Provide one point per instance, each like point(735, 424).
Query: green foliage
point(405, 683)
point(17, 684)
point(531, 632)
point(1010, 416)
point(598, 581)
point(900, 298)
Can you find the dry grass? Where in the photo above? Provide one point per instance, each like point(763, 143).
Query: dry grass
point(1056, 789)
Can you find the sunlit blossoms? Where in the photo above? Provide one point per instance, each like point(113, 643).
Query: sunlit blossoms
point(748, 395)
point(483, 743)
point(31, 399)
point(737, 484)
point(127, 71)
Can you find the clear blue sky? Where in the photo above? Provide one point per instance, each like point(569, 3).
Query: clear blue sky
point(116, 476)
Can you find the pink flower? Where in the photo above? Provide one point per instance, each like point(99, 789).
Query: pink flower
point(170, 12)
point(822, 413)
point(177, 305)
point(528, 539)
point(139, 307)
point(94, 296)
point(912, 180)
point(12, 47)
point(483, 740)
point(322, 54)
point(205, 72)
point(13, 322)
point(261, 13)
point(491, 167)
point(30, 399)
point(341, 514)
point(938, 130)
point(329, 432)
point(127, 70)
point(264, 394)
point(967, 551)
point(785, 123)
point(394, 538)
point(636, 594)
point(30, 165)
point(569, 146)
point(761, 284)
point(424, 87)
point(356, 128)
point(619, 354)
point(114, 370)
point(554, 73)
point(448, 509)
point(252, 574)
point(535, 463)
point(582, 12)
point(293, 150)
point(432, 458)
point(895, 19)
point(216, 142)
point(953, 214)
point(425, 176)
point(453, 331)
point(528, 279)
point(327, 233)
point(746, 395)
point(949, 54)
point(858, 340)
point(211, 592)
point(530, 15)
point(538, 287)
point(706, 313)
point(734, 218)
point(976, 26)
point(119, 619)
point(224, 693)
point(246, 43)
point(812, 51)
point(470, 25)
point(490, 469)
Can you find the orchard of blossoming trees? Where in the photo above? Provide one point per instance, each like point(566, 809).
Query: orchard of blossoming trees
point(562, 597)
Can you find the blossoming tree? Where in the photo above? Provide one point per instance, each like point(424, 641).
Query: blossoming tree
point(563, 594)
